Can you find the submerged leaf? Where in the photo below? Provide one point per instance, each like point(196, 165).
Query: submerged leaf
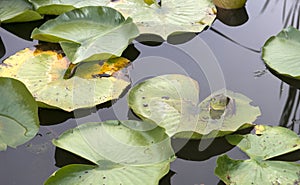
point(269, 142)
point(17, 11)
point(173, 16)
point(57, 7)
point(43, 74)
point(124, 152)
point(171, 101)
point(281, 52)
point(89, 33)
point(18, 114)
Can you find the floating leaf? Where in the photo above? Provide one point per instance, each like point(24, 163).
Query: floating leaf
point(173, 16)
point(127, 152)
point(268, 142)
point(43, 74)
point(17, 11)
point(171, 101)
point(281, 52)
point(168, 100)
point(57, 7)
point(18, 114)
point(89, 33)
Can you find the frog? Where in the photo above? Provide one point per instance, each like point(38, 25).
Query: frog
point(218, 105)
point(219, 102)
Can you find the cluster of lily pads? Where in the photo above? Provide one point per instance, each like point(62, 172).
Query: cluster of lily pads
point(92, 36)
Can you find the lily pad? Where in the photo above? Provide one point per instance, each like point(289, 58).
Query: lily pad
point(281, 54)
point(18, 114)
point(57, 7)
point(173, 16)
point(171, 101)
point(17, 11)
point(124, 152)
point(268, 142)
point(43, 74)
point(89, 33)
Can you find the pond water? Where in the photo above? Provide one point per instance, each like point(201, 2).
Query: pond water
point(223, 56)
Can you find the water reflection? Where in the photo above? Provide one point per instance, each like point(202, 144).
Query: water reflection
point(289, 116)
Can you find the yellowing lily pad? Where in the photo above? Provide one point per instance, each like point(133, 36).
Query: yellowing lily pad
point(57, 7)
point(173, 16)
point(267, 143)
point(43, 74)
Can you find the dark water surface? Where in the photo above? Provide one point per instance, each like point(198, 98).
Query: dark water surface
point(212, 59)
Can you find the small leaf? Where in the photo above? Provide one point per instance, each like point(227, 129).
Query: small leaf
point(89, 33)
point(18, 114)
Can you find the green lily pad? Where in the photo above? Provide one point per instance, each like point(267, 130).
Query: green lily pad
point(124, 152)
point(17, 11)
point(171, 101)
point(281, 52)
point(173, 16)
point(57, 7)
point(89, 33)
point(18, 114)
point(268, 142)
point(43, 74)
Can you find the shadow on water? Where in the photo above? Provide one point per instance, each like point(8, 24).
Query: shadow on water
point(217, 146)
point(22, 30)
point(166, 180)
point(63, 158)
